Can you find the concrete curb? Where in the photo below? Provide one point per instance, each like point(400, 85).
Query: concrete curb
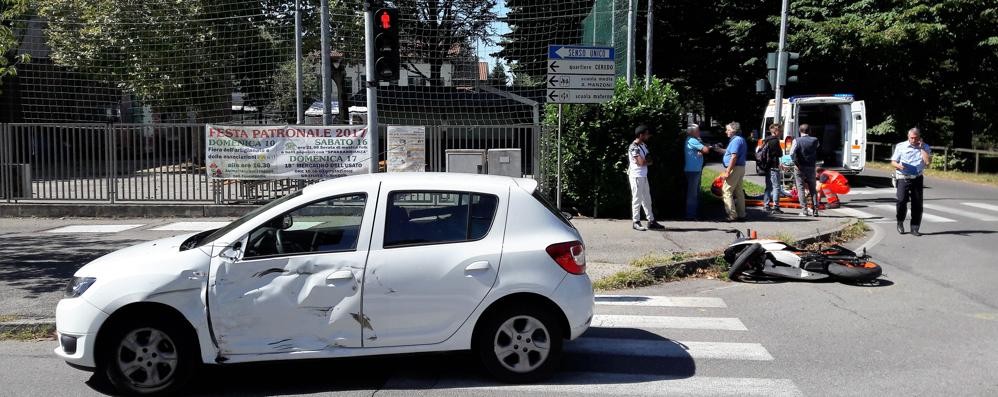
point(130, 210)
point(27, 325)
point(692, 266)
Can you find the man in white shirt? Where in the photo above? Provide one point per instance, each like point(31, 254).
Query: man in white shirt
point(637, 175)
point(910, 159)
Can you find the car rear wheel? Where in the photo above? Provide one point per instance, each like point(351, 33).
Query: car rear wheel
point(147, 358)
point(520, 345)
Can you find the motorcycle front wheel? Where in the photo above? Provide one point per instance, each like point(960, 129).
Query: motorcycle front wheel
point(743, 261)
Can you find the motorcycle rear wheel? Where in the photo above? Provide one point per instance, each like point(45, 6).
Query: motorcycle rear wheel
point(855, 272)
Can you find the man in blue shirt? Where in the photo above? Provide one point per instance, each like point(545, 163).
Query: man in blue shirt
point(694, 151)
point(734, 173)
point(909, 160)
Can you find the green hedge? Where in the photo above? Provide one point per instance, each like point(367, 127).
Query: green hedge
point(594, 151)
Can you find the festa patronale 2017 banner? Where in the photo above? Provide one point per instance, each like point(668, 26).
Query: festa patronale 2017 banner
point(286, 152)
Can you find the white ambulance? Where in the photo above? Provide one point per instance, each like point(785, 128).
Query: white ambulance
point(838, 121)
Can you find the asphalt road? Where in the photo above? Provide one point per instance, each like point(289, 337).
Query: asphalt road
point(930, 328)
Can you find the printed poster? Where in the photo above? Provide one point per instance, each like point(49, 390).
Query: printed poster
point(286, 152)
point(406, 149)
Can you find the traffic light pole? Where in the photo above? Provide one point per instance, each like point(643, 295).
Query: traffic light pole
point(299, 100)
point(371, 83)
point(781, 66)
point(327, 65)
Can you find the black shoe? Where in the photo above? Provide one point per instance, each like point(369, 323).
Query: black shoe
point(741, 219)
point(914, 231)
point(777, 210)
point(655, 226)
point(901, 227)
point(637, 226)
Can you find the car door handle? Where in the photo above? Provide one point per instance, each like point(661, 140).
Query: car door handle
point(340, 275)
point(478, 266)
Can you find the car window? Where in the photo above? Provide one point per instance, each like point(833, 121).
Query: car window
point(245, 218)
point(329, 225)
point(419, 218)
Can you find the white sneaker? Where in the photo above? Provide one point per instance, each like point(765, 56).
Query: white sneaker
point(803, 212)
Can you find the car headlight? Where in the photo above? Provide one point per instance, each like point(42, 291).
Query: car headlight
point(78, 285)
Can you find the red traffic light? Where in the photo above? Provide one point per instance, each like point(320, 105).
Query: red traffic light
point(385, 19)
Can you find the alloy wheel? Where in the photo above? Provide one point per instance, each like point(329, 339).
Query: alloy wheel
point(522, 344)
point(147, 357)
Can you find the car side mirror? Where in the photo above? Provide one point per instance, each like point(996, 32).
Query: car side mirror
point(567, 215)
point(232, 252)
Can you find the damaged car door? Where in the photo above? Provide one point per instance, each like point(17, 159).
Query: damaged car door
point(292, 284)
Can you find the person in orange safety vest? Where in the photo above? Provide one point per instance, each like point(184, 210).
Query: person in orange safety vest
point(830, 185)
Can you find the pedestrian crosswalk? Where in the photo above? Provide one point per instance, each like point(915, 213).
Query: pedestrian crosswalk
point(639, 345)
point(933, 212)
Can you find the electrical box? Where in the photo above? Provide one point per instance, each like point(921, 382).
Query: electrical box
point(505, 162)
point(468, 161)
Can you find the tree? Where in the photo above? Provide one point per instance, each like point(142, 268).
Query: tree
point(594, 150)
point(284, 104)
point(346, 30)
point(533, 26)
point(498, 76)
point(442, 29)
point(13, 16)
point(179, 57)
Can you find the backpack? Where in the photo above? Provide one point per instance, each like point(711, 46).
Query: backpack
point(766, 156)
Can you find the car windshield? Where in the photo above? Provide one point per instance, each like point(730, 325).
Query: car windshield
point(245, 218)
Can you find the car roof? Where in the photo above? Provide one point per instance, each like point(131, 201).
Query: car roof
point(430, 179)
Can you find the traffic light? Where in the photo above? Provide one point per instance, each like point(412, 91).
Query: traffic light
point(386, 45)
point(790, 66)
point(760, 85)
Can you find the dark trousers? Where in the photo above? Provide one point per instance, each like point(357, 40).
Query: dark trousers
point(910, 189)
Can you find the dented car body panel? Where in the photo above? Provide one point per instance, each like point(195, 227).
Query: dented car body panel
point(339, 282)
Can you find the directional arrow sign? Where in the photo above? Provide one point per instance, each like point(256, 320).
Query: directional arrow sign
point(581, 67)
point(580, 52)
point(581, 82)
point(579, 96)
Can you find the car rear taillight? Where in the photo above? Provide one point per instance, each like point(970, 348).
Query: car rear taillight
point(571, 256)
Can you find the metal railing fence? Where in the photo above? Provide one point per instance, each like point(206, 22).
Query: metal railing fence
point(973, 160)
point(166, 162)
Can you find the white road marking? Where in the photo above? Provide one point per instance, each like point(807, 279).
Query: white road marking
point(658, 301)
point(628, 321)
point(855, 213)
point(969, 214)
point(669, 348)
point(925, 217)
point(190, 226)
point(886, 190)
point(991, 207)
point(606, 384)
point(93, 229)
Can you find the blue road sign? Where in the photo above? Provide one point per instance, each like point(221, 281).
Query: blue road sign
point(576, 52)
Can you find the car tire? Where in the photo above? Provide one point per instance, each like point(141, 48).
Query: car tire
point(137, 352)
point(520, 345)
point(743, 261)
point(858, 273)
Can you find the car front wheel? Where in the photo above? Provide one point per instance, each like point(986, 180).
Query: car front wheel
point(520, 345)
point(148, 358)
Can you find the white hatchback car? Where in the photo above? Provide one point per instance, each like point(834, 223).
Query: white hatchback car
point(356, 266)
